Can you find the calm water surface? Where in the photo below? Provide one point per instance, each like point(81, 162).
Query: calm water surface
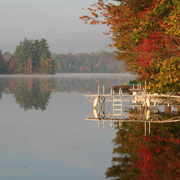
point(44, 135)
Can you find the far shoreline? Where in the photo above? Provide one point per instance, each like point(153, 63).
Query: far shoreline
point(65, 75)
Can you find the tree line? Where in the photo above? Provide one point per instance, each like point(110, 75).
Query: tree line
point(101, 62)
point(35, 57)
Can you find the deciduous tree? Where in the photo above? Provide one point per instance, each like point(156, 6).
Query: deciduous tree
point(144, 32)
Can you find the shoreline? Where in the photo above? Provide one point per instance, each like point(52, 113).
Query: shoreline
point(67, 74)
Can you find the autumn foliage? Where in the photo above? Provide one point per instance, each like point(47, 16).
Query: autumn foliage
point(48, 65)
point(29, 66)
point(152, 157)
point(146, 35)
point(11, 66)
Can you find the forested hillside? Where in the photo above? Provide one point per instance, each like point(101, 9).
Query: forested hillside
point(102, 62)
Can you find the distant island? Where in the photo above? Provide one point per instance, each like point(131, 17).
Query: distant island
point(34, 57)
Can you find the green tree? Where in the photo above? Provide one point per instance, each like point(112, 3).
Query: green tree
point(22, 53)
point(37, 51)
point(2, 64)
point(36, 55)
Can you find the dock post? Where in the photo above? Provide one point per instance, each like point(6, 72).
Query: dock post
point(168, 109)
point(98, 102)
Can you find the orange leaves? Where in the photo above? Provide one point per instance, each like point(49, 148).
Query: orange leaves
point(94, 14)
point(81, 69)
point(106, 33)
point(141, 31)
point(29, 66)
point(11, 65)
point(29, 84)
point(48, 63)
point(94, 22)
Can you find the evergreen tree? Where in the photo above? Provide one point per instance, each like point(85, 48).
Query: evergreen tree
point(36, 55)
point(44, 54)
point(22, 54)
point(44, 48)
point(2, 64)
point(36, 51)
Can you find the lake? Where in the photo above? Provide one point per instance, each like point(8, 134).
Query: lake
point(44, 134)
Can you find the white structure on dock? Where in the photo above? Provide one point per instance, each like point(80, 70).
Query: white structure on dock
point(110, 107)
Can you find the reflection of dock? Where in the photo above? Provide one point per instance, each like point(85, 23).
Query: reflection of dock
point(130, 119)
point(140, 99)
point(120, 120)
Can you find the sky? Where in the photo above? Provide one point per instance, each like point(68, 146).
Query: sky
point(55, 20)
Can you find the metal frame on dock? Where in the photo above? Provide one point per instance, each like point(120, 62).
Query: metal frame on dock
point(138, 97)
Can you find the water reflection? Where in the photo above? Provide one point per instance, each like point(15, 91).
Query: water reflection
point(146, 157)
point(146, 108)
point(147, 142)
point(31, 93)
point(34, 92)
point(55, 143)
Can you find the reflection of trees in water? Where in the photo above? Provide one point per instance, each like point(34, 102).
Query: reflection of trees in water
point(3, 86)
point(34, 93)
point(85, 85)
point(156, 156)
point(31, 93)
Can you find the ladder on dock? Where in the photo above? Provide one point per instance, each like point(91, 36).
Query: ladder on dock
point(117, 104)
point(117, 107)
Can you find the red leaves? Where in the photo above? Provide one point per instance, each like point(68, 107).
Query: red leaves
point(29, 84)
point(141, 31)
point(94, 22)
point(29, 66)
point(11, 65)
point(157, 154)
